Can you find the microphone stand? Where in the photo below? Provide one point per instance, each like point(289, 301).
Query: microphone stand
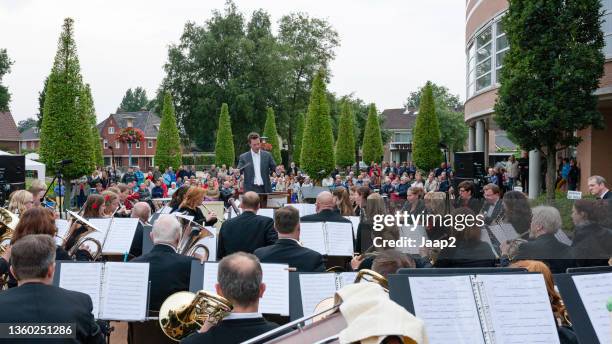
point(58, 177)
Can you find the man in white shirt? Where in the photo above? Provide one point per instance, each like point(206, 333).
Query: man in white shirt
point(256, 164)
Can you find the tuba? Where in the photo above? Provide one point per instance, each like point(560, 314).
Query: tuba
point(80, 238)
point(8, 223)
point(183, 313)
point(188, 244)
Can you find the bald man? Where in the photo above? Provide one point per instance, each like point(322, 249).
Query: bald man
point(247, 231)
point(326, 210)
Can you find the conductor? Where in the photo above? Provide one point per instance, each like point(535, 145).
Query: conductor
point(256, 165)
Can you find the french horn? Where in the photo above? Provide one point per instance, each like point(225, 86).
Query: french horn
point(8, 223)
point(183, 313)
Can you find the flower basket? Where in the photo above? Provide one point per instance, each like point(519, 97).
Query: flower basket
point(130, 135)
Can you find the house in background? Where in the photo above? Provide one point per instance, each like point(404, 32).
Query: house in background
point(399, 123)
point(9, 135)
point(30, 139)
point(142, 152)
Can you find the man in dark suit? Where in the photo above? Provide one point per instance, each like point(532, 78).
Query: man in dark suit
point(240, 281)
point(325, 207)
point(36, 300)
point(492, 209)
point(287, 249)
point(142, 212)
point(597, 188)
point(247, 231)
point(168, 271)
point(256, 164)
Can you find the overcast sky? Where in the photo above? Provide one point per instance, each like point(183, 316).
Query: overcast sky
point(388, 48)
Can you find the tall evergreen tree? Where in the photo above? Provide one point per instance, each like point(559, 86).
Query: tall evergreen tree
point(66, 131)
point(426, 152)
point(168, 152)
point(299, 137)
point(5, 67)
point(345, 145)
point(550, 74)
point(134, 100)
point(41, 102)
point(317, 157)
point(224, 149)
point(89, 109)
point(372, 140)
point(272, 134)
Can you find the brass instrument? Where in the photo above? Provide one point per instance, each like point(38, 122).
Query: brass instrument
point(217, 207)
point(233, 206)
point(8, 223)
point(183, 313)
point(188, 243)
point(80, 238)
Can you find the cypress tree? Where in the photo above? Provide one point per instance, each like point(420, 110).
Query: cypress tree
point(272, 134)
point(66, 132)
point(345, 145)
point(317, 157)
point(426, 152)
point(96, 141)
point(168, 152)
point(372, 139)
point(224, 148)
point(299, 136)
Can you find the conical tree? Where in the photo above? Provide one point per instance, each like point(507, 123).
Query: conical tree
point(372, 139)
point(224, 149)
point(317, 157)
point(168, 152)
point(272, 134)
point(66, 132)
point(299, 137)
point(426, 152)
point(345, 145)
point(96, 141)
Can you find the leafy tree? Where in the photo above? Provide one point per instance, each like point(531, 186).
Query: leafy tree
point(426, 133)
point(134, 100)
point(41, 103)
point(317, 157)
point(5, 67)
point(224, 149)
point(168, 152)
point(96, 140)
point(299, 137)
point(372, 140)
point(26, 124)
point(453, 129)
point(550, 73)
point(345, 145)
point(66, 130)
point(272, 134)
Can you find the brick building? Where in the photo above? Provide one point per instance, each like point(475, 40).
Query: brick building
point(30, 139)
point(9, 135)
point(399, 123)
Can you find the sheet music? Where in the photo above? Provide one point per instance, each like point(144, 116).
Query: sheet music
point(446, 304)
point(183, 216)
point(563, 238)
point(276, 297)
point(339, 237)
point(347, 278)
point(267, 212)
point(125, 291)
point(314, 288)
point(416, 235)
point(63, 226)
point(119, 239)
point(312, 236)
point(85, 278)
point(594, 291)
point(210, 277)
point(164, 210)
point(503, 232)
point(355, 220)
point(519, 308)
point(303, 208)
point(101, 224)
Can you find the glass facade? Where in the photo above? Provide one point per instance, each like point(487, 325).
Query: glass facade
point(606, 27)
point(485, 55)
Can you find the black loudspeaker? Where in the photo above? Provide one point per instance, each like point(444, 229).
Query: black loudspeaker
point(469, 164)
point(12, 175)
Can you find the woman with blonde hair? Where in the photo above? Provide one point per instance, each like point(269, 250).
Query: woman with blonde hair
point(191, 206)
point(343, 201)
point(374, 205)
point(20, 201)
point(111, 203)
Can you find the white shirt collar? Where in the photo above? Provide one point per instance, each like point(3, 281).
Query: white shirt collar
point(299, 243)
point(235, 316)
point(253, 153)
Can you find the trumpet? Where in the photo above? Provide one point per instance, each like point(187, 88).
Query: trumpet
point(79, 238)
point(8, 223)
point(183, 313)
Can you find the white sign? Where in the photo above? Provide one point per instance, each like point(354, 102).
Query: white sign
point(574, 195)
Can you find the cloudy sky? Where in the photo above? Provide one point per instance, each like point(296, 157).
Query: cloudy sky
point(388, 47)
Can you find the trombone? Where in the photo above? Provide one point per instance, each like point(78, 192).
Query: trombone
point(79, 238)
point(183, 313)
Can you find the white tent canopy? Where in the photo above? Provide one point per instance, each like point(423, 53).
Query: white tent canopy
point(32, 165)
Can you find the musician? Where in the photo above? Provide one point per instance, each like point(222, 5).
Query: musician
point(257, 165)
point(247, 231)
point(467, 189)
point(142, 212)
point(190, 206)
point(36, 300)
point(111, 204)
point(177, 198)
point(93, 208)
point(287, 249)
point(240, 281)
point(20, 201)
point(592, 245)
point(516, 211)
point(125, 197)
point(389, 261)
point(543, 245)
point(492, 208)
point(374, 206)
point(326, 210)
point(168, 271)
point(597, 188)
